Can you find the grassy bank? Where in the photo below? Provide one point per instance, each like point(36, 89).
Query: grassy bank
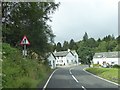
point(107, 73)
point(21, 73)
point(0, 65)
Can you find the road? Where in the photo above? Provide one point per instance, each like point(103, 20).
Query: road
point(76, 77)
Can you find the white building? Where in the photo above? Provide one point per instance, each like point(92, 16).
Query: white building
point(106, 58)
point(63, 58)
point(52, 61)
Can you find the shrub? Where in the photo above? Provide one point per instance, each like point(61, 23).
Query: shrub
point(21, 73)
point(96, 65)
point(116, 66)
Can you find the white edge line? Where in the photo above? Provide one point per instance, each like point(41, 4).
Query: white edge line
point(75, 79)
point(100, 77)
point(49, 79)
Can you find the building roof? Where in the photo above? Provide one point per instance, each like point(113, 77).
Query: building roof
point(60, 53)
point(73, 52)
point(63, 53)
point(107, 55)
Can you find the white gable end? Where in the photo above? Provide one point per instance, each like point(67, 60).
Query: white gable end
point(52, 61)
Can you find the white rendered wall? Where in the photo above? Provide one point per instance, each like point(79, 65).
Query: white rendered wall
point(107, 60)
point(52, 61)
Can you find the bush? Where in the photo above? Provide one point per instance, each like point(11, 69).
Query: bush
point(21, 73)
point(96, 65)
point(116, 66)
point(26, 82)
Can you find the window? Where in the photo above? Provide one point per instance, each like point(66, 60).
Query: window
point(50, 63)
point(75, 56)
point(97, 62)
point(112, 63)
point(67, 61)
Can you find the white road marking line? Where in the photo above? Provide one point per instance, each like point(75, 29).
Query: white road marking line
point(75, 79)
point(100, 77)
point(70, 70)
point(48, 80)
point(84, 88)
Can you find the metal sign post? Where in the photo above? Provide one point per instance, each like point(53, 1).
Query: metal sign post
point(24, 43)
point(24, 50)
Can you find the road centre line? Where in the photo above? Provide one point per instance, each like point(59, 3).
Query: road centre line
point(73, 75)
point(75, 79)
point(70, 70)
point(49, 79)
point(84, 88)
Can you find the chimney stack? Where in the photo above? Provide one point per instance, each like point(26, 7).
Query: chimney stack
point(68, 50)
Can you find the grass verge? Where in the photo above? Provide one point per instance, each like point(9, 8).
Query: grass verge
point(111, 74)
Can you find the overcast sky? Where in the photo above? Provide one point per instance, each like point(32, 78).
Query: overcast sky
point(75, 17)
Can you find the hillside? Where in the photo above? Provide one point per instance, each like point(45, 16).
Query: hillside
point(21, 73)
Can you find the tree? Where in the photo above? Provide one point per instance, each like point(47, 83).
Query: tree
point(30, 19)
point(65, 45)
point(118, 39)
point(85, 54)
point(108, 38)
point(58, 47)
point(99, 40)
point(91, 43)
point(102, 47)
point(85, 37)
point(111, 45)
point(117, 48)
point(72, 45)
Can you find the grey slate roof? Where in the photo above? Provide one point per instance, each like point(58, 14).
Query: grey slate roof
point(61, 53)
point(107, 55)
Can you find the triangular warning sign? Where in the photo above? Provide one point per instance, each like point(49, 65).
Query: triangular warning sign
point(25, 41)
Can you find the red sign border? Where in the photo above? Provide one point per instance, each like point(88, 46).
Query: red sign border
point(23, 39)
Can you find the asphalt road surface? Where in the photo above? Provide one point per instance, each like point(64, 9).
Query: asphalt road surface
point(77, 78)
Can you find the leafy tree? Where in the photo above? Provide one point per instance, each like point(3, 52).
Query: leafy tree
point(118, 39)
point(111, 45)
point(102, 47)
point(28, 18)
point(72, 45)
point(99, 40)
point(65, 45)
point(91, 43)
point(85, 54)
point(85, 37)
point(117, 48)
point(54, 47)
point(108, 38)
point(58, 47)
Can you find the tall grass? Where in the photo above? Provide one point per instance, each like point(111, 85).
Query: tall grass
point(21, 73)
